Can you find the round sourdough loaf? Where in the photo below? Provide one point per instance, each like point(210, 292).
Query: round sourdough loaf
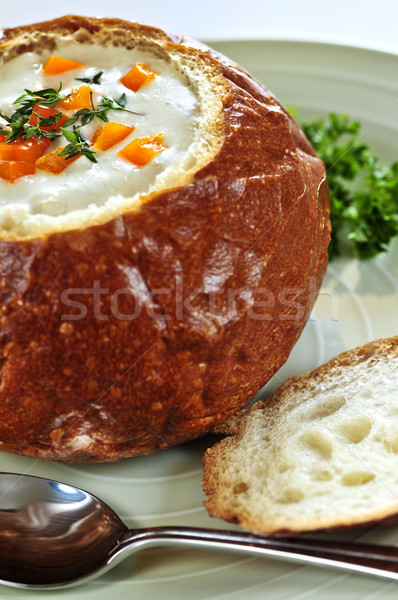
point(131, 327)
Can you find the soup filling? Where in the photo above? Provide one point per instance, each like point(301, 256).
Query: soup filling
point(86, 128)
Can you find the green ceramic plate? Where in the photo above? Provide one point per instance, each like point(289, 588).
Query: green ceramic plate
point(358, 303)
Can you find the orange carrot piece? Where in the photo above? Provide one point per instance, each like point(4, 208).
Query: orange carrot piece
point(78, 98)
point(46, 112)
point(18, 158)
point(23, 150)
point(53, 163)
point(56, 64)
point(11, 170)
point(138, 76)
point(109, 135)
point(142, 150)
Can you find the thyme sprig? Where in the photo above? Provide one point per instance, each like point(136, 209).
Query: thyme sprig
point(95, 79)
point(18, 125)
point(20, 128)
point(48, 97)
point(85, 115)
point(51, 121)
point(18, 121)
point(77, 145)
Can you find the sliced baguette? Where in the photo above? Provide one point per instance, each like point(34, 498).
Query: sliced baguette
point(321, 453)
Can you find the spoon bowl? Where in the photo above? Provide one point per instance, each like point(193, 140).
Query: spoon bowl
point(53, 535)
point(51, 532)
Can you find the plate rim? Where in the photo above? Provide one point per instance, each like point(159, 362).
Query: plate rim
point(332, 41)
point(128, 589)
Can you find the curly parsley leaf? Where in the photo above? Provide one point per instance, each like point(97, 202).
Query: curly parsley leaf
point(363, 193)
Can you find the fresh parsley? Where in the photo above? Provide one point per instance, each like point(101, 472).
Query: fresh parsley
point(363, 192)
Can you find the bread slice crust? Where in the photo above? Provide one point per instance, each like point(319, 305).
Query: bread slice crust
point(251, 222)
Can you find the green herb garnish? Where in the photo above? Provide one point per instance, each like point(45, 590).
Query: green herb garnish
point(18, 121)
point(85, 115)
point(363, 192)
point(119, 104)
point(18, 125)
point(77, 145)
point(48, 97)
point(95, 79)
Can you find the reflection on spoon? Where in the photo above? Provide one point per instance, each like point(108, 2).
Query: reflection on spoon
point(53, 535)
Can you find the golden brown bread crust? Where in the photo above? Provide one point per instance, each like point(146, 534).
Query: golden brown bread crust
point(103, 388)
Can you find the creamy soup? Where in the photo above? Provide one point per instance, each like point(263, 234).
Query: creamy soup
point(146, 136)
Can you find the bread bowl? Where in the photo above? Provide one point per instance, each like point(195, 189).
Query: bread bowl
point(136, 316)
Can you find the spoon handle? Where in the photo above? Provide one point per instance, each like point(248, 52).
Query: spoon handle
point(381, 561)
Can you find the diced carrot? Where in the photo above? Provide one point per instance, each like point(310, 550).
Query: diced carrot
point(138, 76)
point(78, 98)
point(142, 150)
point(56, 64)
point(53, 163)
point(18, 158)
point(23, 150)
point(109, 135)
point(46, 112)
point(11, 170)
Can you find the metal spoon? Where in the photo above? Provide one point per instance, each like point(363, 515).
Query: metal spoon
point(53, 535)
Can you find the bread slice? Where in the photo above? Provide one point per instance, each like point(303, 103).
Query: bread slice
point(321, 453)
